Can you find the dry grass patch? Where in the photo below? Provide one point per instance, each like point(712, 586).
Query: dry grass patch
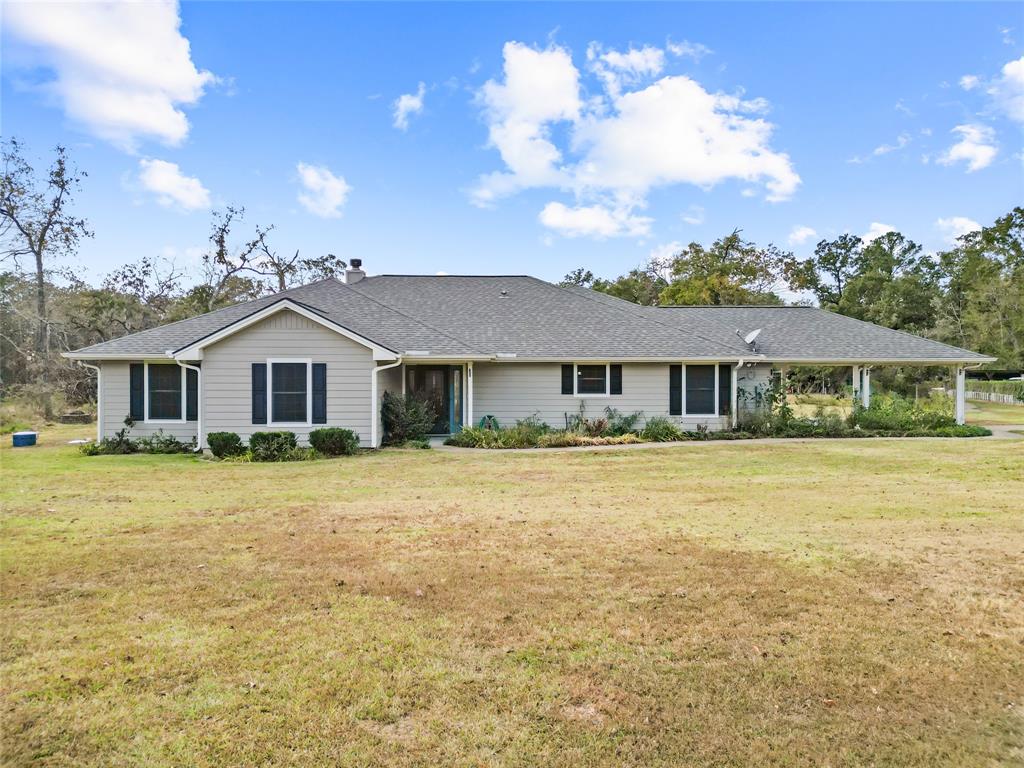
point(839, 603)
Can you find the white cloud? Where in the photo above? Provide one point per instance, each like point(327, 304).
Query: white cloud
point(970, 82)
point(171, 186)
point(801, 234)
point(663, 253)
point(1008, 90)
point(620, 145)
point(325, 193)
point(876, 230)
point(408, 104)
point(593, 221)
point(901, 141)
point(121, 70)
point(693, 215)
point(688, 50)
point(955, 226)
point(976, 147)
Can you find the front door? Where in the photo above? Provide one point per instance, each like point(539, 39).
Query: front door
point(441, 386)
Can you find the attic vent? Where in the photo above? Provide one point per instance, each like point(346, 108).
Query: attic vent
point(504, 294)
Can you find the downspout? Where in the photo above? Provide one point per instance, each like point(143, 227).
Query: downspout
point(374, 415)
point(99, 399)
point(200, 443)
point(734, 401)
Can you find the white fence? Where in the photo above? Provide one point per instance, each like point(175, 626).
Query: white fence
point(992, 397)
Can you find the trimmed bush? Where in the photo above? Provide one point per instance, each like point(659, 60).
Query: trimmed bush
point(224, 444)
point(334, 441)
point(272, 446)
point(405, 418)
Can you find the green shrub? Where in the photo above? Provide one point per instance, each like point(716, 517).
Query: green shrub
point(223, 444)
point(334, 441)
point(406, 418)
point(659, 429)
point(621, 423)
point(120, 444)
point(271, 446)
point(161, 443)
point(895, 413)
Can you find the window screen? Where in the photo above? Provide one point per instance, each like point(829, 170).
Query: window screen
point(590, 380)
point(164, 391)
point(288, 398)
point(700, 389)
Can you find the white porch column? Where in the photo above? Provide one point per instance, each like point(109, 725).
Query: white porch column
point(865, 390)
point(733, 396)
point(469, 394)
point(856, 382)
point(961, 402)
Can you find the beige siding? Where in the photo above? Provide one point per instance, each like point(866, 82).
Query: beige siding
point(512, 391)
point(115, 396)
point(227, 375)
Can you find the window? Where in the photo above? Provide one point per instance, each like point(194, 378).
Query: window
point(164, 391)
point(700, 390)
point(289, 392)
point(591, 379)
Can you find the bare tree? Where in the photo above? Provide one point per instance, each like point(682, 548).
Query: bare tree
point(36, 221)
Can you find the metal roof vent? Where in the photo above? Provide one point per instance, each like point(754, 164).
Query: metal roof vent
point(503, 294)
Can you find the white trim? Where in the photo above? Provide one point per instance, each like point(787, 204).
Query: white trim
point(194, 351)
point(270, 392)
point(576, 381)
point(375, 400)
point(686, 412)
point(469, 395)
point(200, 443)
point(145, 395)
point(734, 392)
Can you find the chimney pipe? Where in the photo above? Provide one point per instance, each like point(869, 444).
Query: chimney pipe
point(355, 272)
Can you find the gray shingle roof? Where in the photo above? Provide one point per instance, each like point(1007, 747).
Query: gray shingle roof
point(461, 316)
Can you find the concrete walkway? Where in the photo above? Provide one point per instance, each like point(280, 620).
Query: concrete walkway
point(999, 432)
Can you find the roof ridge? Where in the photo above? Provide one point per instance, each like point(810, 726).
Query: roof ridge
point(644, 316)
point(411, 317)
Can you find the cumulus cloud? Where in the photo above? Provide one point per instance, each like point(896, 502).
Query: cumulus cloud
point(597, 221)
point(171, 186)
point(408, 104)
point(955, 226)
point(976, 147)
point(645, 131)
point(876, 230)
point(1008, 90)
point(970, 82)
point(123, 71)
point(801, 234)
point(325, 194)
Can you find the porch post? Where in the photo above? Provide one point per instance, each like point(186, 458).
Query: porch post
point(865, 390)
point(733, 398)
point(856, 382)
point(469, 394)
point(961, 402)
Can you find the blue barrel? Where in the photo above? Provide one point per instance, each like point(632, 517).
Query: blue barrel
point(23, 439)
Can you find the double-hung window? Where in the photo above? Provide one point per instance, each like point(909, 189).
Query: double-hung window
point(700, 390)
point(164, 392)
point(289, 392)
point(591, 379)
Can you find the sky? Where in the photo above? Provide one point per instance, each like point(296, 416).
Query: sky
point(519, 138)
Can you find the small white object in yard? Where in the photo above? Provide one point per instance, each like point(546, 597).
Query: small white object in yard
point(79, 441)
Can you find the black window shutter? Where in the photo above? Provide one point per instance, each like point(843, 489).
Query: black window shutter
point(724, 389)
point(259, 393)
point(616, 382)
point(191, 395)
point(137, 377)
point(675, 390)
point(567, 376)
point(319, 393)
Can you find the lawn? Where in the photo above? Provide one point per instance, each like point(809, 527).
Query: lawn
point(801, 603)
point(982, 412)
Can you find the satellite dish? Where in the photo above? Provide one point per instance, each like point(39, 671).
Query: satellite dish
point(750, 337)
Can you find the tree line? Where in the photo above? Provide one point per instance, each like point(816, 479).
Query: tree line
point(971, 295)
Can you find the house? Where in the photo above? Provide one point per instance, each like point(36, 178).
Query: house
point(505, 346)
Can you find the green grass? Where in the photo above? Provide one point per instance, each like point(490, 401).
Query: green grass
point(828, 602)
point(984, 412)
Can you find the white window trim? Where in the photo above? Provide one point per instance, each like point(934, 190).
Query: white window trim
point(607, 380)
point(309, 391)
point(145, 391)
point(718, 407)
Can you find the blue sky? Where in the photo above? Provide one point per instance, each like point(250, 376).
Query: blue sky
point(545, 136)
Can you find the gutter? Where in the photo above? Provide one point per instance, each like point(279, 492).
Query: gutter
point(200, 443)
point(374, 400)
point(99, 398)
